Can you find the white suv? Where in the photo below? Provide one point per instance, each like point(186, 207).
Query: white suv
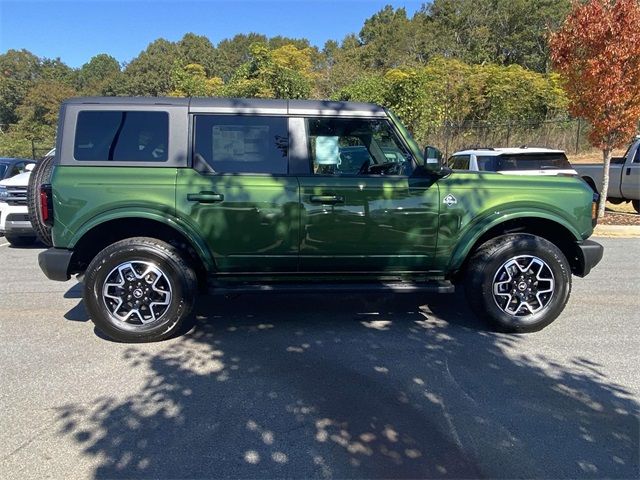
point(512, 161)
point(14, 215)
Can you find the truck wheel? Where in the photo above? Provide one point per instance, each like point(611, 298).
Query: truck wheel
point(19, 241)
point(636, 205)
point(40, 175)
point(139, 290)
point(518, 282)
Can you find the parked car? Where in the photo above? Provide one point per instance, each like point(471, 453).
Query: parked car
point(152, 198)
point(624, 176)
point(512, 161)
point(10, 167)
point(14, 216)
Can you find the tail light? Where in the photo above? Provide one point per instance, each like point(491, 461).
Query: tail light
point(594, 209)
point(46, 204)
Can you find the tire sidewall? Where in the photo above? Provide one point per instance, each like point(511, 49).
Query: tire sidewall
point(553, 257)
point(102, 266)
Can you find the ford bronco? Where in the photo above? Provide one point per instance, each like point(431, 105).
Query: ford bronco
point(152, 200)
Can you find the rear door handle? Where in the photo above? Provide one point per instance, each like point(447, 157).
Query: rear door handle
point(205, 197)
point(628, 170)
point(327, 199)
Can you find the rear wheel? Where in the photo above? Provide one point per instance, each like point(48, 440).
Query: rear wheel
point(636, 205)
point(518, 282)
point(40, 175)
point(139, 290)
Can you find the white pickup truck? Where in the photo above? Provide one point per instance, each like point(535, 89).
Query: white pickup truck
point(624, 176)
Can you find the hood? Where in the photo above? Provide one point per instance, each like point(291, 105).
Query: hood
point(20, 180)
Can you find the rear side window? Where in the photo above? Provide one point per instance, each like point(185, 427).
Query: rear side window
point(122, 136)
point(486, 163)
point(243, 144)
point(532, 161)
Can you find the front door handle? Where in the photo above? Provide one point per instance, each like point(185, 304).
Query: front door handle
point(205, 197)
point(628, 170)
point(327, 199)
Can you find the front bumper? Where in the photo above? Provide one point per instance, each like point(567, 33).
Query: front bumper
point(589, 255)
point(54, 263)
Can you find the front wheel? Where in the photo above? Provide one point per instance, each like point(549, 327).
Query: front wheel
point(636, 205)
point(139, 290)
point(518, 282)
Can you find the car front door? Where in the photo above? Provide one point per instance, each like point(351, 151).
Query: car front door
point(239, 195)
point(361, 208)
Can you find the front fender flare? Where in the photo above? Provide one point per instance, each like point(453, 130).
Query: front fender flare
point(478, 228)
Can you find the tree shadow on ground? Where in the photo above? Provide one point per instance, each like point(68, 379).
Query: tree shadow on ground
point(355, 386)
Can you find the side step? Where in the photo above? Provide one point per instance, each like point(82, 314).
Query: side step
point(226, 288)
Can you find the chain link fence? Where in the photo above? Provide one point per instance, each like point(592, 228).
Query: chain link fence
point(567, 135)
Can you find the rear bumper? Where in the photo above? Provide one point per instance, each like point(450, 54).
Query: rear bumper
point(54, 263)
point(589, 255)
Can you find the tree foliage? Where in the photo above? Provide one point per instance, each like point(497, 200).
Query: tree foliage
point(454, 62)
point(191, 81)
point(280, 73)
point(455, 93)
point(597, 51)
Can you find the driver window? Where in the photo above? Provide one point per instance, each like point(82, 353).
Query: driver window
point(346, 146)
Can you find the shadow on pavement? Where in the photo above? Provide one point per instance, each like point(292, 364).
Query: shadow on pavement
point(355, 386)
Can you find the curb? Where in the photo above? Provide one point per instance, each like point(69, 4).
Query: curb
point(617, 231)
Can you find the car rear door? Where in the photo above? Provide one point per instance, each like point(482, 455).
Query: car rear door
point(239, 194)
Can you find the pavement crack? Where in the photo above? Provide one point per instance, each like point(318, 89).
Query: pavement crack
point(30, 440)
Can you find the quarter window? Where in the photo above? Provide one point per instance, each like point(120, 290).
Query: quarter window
point(341, 146)
point(122, 136)
point(243, 144)
point(459, 162)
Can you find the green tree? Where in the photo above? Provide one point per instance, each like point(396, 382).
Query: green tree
point(234, 52)
point(197, 49)
point(96, 76)
point(494, 31)
point(386, 39)
point(280, 73)
point(191, 81)
point(149, 74)
point(18, 70)
point(38, 113)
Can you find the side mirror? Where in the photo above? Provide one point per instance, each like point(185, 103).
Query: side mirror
point(432, 158)
point(29, 166)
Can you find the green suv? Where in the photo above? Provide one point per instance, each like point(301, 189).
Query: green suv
point(152, 200)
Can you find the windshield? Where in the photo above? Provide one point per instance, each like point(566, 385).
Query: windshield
point(524, 161)
point(3, 168)
point(413, 146)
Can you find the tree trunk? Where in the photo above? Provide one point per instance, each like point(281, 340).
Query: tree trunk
point(606, 156)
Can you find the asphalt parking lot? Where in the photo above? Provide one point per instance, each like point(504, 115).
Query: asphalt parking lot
point(322, 386)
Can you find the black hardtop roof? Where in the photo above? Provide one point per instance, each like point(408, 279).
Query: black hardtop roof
point(243, 105)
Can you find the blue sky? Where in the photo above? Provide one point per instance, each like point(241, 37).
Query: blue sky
point(77, 30)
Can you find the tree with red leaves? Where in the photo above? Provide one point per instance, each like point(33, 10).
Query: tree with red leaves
point(597, 51)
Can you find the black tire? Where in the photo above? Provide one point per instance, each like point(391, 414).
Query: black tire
point(176, 276)
point(40, 175)
point(20, 241)
point(490, 263)
point(636, 205)
point(589, 181)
